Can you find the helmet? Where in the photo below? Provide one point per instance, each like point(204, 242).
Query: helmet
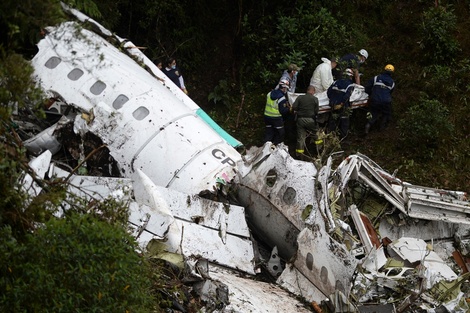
point(364, 53)
point(390, 68)
point(283, 83)
point(348, 72)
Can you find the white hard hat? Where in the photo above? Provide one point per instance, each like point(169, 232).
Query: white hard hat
point(364, 53)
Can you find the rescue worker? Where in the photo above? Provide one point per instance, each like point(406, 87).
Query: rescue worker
point(339, 93)
point(173, 73)
point(322, 77)
point(276, 107)
point(291, 76)
point(306, 107)
point(380, 89)
point(353, 62)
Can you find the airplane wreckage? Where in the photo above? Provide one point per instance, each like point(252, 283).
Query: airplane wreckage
point(354, 238)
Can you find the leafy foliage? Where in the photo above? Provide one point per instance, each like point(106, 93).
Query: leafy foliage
point(425, 125)
point(17, 88)
point(88, 7)
point(438, 42)
point(75, 264)
point(22, 24)
point(222, 93)
point(306, 35)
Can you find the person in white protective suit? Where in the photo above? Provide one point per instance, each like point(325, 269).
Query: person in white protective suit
point(322, 77)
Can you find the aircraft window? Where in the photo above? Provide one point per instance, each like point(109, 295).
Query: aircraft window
point(309, 261)
point(75, 74)
point(98, 88)
point(339, 286)
point(289, 195)
point(119, 101)
point(53, 62)
point(271, 177)
point(140, 113)
point(324, 275)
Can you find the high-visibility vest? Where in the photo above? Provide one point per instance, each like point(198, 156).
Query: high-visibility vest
point(272, 107)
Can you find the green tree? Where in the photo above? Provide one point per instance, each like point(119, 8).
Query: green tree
point(438, 41)
point(76, 264)
point(425, 126)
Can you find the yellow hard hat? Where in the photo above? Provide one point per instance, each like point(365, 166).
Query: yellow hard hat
point(390, 68)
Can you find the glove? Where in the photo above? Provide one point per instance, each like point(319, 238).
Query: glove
point(369, 115)
point(185, 91)
point(338, 106)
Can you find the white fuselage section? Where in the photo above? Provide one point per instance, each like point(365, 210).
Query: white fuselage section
point(135, 114)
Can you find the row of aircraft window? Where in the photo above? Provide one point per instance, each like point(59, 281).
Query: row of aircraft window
point(98, 87)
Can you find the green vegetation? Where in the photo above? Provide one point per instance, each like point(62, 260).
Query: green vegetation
point(425, 126)
point(75, 264)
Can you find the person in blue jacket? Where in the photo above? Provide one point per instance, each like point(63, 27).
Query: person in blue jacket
point(174, 73)
point(276, 107)
point(338, 94)
point(380, 90)
point(352, 61)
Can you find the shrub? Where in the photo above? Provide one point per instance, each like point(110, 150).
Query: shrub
point(77, 264)
point(438, 41)
point(425, 125)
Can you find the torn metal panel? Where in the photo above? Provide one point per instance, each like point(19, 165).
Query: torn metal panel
point(40, 166)
point(278, 230)
point(347, 171)
point(94, 187)
point(275, 194)
point(462, 263)
point(327, 265)
point(248, 295)
point(437, 204)
point(191, 239)
point(156, 221)
point(192, 208)
point(341, 303)
point(324, 203)
point(366, 232)
point(216, 234)
point(293, 280)
point(360, 167)
point(376, 181)
point(449, 196)
point(43, 141)
point(423, 229)
point(375, 260)
point(415, 250)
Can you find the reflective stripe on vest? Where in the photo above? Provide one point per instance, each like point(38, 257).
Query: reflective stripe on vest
point(341, 90)
point(272, 108)
point(382, 85)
